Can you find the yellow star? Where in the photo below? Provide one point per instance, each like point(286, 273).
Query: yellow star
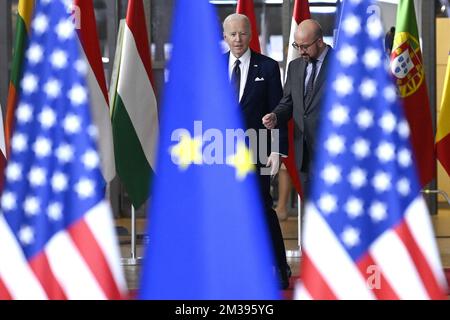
point(187, 151)
point(242, 161)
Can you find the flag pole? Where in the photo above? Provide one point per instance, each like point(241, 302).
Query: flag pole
point(299, 211)
point(133, 232)
point(133, 260)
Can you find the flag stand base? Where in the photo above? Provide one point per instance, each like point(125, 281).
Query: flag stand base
point(293, 253)
point(131, 261)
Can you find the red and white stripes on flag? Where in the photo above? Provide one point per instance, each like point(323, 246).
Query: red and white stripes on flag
point(89, 42)
point(300, 12)
point(367, 231)
point(378, 275)
point(78, 263)
point(57, 237)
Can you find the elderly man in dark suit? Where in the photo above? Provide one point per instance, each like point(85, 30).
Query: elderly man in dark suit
point(256, 79)
point(303, 93)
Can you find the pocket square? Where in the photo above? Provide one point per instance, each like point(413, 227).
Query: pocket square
point(259, 79)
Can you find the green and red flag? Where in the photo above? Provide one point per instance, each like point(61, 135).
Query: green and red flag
point(134, 114)
point(407, 68)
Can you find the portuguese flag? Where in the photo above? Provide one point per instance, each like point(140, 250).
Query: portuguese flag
point(134, 115)
point(443, 127)
point(407, 68)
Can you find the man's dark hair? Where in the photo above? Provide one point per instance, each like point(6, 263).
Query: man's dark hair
point(389, 39)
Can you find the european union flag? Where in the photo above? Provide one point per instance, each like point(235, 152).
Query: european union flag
point(208, 236)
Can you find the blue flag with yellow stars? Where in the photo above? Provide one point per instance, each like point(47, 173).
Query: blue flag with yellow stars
point(207, 230)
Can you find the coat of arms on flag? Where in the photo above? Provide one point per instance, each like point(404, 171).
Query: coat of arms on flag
point(402, 65)
point(406, 64)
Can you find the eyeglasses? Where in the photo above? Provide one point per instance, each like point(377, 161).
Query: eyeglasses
point(297, 46)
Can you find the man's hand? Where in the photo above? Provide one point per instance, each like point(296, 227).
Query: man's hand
point(270, 120)
point(274, 163)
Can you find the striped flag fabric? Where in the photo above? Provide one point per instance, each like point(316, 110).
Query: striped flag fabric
point(135, 114)
point(300, 13)
point(443, 126)
point(367, 231)
point(25, 11)
point(57, 238)
point(247, 7)
point(407, 68)
point(88, 38)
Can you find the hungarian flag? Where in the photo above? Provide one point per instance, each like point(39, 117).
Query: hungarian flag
point(300, 13)
point(134, 115)
point(25, 11)
point(247, 8)
point(87, 35)
point(443, 127)
point(407, 68)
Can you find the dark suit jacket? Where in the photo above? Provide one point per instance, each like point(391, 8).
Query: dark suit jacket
point(261, 97)
point(305, 116)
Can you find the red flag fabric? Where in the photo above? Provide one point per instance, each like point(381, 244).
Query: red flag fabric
point(300, 13)
point(247, 8)
point(407, 68)
point(90, 49)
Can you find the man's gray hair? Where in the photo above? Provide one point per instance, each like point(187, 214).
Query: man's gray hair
point(237, 16)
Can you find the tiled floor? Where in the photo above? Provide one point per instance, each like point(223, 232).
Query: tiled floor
point(441, 223)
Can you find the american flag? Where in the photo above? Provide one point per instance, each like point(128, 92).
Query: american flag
point(367, 232)
point(57, 237)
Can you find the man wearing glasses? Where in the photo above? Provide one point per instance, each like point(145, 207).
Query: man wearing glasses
point(303, 92)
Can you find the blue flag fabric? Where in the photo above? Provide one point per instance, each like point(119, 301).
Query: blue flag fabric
point(208, 234)
point(367, 231)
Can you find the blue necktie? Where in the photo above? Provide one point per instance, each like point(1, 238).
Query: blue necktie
point(310, 85)
point(236, 77)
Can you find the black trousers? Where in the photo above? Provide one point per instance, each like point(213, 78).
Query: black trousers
point(273, 224)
